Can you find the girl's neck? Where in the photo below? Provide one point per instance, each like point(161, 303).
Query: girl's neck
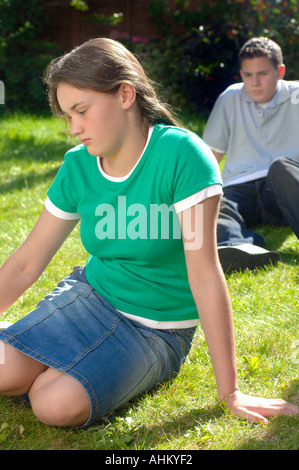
point(124, 161)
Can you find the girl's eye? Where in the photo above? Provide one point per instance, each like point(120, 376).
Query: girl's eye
point(82, 112)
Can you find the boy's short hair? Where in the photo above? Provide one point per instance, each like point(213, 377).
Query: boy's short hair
point(261, 47)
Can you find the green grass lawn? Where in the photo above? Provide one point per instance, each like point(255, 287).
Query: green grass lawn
point(183, 414)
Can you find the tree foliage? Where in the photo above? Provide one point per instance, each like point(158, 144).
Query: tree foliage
point(24, 53)
point(201, 39)
point(194, 56)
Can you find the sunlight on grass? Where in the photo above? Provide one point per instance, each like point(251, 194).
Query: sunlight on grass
point(184, 413)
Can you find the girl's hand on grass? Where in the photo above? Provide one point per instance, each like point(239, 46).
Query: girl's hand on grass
point(257, 409)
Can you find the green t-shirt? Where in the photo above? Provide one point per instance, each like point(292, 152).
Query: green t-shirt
point(130, 228)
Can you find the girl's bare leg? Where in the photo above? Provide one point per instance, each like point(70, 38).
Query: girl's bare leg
point(59, 400)
point(17, 371)
point(56, 399)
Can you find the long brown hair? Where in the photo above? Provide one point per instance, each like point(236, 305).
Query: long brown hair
point(102, 64)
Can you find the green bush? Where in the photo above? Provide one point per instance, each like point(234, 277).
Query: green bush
point(195, 57)
point(24, 54)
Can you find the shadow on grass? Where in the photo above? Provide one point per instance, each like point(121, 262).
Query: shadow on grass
point(21, 153)
point(116, 432)
point(110, 433)
point(281, 433)
point(31, 149)
point(274, 235)
point(28, 181)
point(275, 238)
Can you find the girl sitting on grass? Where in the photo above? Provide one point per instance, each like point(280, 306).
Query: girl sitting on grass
point(147, 194)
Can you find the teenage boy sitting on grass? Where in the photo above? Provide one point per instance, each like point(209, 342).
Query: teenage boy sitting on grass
point(255, 123)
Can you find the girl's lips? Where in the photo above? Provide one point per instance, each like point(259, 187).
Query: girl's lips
point(85, 141)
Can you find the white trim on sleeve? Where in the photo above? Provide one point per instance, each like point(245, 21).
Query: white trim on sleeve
point(59, 213)
point(217, 150)
point(200, 196)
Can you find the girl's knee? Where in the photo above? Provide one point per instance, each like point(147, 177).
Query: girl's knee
point(59, 402)
point(52, 411)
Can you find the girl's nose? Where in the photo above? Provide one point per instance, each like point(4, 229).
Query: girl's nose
point(76, 128)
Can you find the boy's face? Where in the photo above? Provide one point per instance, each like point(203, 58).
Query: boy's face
point(260, 78)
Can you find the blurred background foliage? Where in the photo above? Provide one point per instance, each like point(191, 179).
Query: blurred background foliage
point(24, 53)
point(193, 57)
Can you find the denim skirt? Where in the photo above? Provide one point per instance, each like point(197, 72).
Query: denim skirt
point(77, 332)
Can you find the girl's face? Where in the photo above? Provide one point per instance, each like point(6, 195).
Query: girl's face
point(98, 119)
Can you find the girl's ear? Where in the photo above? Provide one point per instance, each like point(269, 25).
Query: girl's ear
point(128, 95)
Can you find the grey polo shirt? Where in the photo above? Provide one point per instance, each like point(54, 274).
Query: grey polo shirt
point(251, 135)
